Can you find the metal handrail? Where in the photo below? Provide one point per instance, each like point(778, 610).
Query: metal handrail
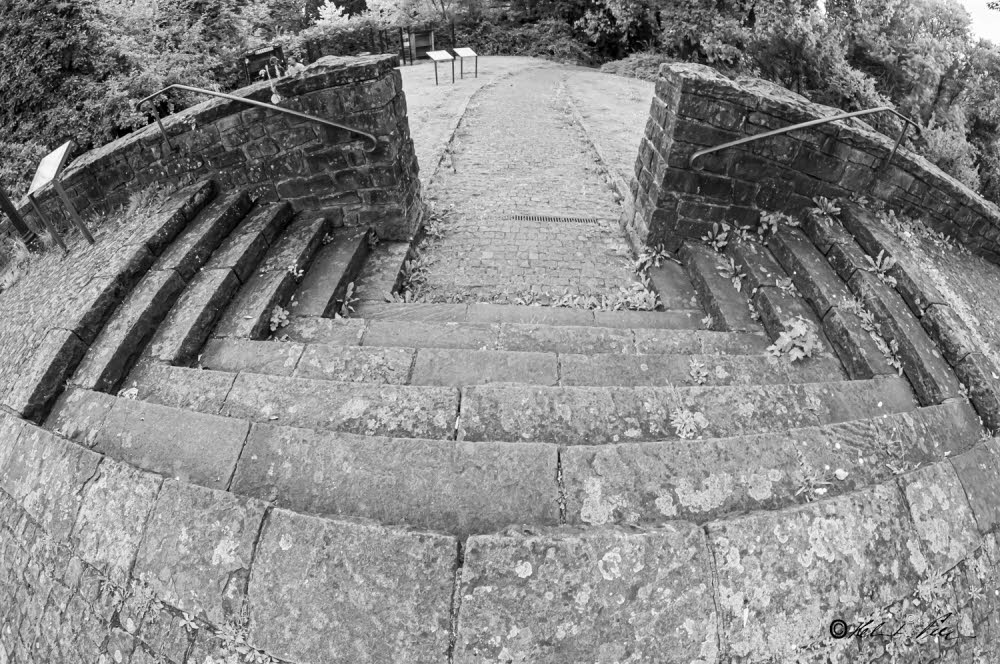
point(813, 123)
point(251, 102)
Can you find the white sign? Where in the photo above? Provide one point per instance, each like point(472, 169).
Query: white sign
point(439, 56)
point(51, 166)
point(465, 53)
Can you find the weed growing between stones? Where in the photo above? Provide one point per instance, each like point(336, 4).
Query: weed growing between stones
point(650, 258)
point(347, 306)
point(827, 206)
point(880, 266)
point(14, 252)
point(279, 318)
point(698, 373)
point(733, 272)
point(718, 237)
point(889, 349)
point(797, 341)
point(688, 424)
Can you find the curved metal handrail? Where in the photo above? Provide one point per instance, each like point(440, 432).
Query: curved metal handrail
point(813, 123)
point(251, 102)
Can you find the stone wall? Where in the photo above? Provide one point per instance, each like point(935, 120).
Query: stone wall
point(695, 107)
point(279, 156)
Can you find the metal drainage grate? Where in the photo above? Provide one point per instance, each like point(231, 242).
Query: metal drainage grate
point(553, 220)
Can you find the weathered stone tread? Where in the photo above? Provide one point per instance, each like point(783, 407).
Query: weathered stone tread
point(336, 265)
point(716, 293)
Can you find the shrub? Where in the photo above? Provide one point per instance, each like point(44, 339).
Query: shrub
point(947, 146)
point(644, 65)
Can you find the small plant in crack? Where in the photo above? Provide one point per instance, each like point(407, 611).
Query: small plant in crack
point(718, 237)
point(889, 349)
point(636, 297)
point(797, 341)
point(327, 239)
point(698, 372)
point(347, 306)
point(687, 424)
point(652, 257)
point(786, 286)
point(880, 266)
point(296, 271)
point(767, 228)
point(279, 318)
point(373, 241)
point(813, 484)
point(827, 207)
point(733, 272)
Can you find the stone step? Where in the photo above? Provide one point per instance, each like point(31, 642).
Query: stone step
point(458, 367)
point(711, 274)
point(253, 312)
point(454, 487)
point(601, 415)
point(701, 480)
point(335, 267)
point(362, 408)
point(672, 285)
point(180, 336)
point(687, 318)
point(135, 320)
point(521, 337)
point(381, 273)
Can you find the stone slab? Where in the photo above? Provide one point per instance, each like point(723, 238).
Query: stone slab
point(417, 334)
point(416, 311)
point(599, 415)
point(459, 367)
point(846, 259)
point(110, 356)
point(697, 341)
point(354, 364)
point(386, 410)
point(982, 378)
point(266, 357)
point(483, 312)
point(197, 549)
point(756, 262)
point(249, 314)
point(339, 591)
point(194, 447)
point(243, 250)
point(45, 374)
point(949, 331)
point(784, 576)
point(336, 265)
point(174, 214)
point(602, 595)
point(458, 488)
point(855, 346)
point(701, 480)
point(566, 339)
point(79, 415)
point(113, 516)
point(192, 318)
point(680, 319)
point(46, 475)
point(314, 330)
point(778, 310)
point(673, 286)
point(194, 247)
point(716, 293)
point(812, 275)
point(941, 514)
point(928, 372)
point(178, 387)
point(979, 472)
point(297, 246)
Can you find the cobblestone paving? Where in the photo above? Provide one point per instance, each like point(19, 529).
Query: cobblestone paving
point(518, 151)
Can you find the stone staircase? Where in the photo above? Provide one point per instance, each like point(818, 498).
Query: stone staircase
point(470, 483)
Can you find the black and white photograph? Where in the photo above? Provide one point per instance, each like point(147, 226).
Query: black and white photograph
point(500, 332)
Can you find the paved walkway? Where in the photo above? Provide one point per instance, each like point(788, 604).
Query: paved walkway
point(518, 151)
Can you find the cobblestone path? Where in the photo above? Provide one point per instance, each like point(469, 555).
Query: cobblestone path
point(517, 151)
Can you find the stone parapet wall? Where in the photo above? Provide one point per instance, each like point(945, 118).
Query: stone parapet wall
point(313, 166)
point(695, 107)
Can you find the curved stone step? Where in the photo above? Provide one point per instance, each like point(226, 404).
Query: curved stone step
point(701, 480)
point(458, 367)
point(335, 267)
point(600, 415)
point(442, 485)
point(520, 337)
point(135, 320)
point(726, 306)
point(676, 319)
point(250, 314)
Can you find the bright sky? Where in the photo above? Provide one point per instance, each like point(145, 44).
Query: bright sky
point(985, 22)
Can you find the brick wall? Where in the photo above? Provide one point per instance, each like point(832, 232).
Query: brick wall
point(278, 156)
point(695, 107)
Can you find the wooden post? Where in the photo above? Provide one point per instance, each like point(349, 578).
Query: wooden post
point(72, 211)
point(29, 236)
point(47, 224)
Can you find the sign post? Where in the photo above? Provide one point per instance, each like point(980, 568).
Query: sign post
point(48, 172)
point(441, 56)
point(29, 236)
point(464, 53)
